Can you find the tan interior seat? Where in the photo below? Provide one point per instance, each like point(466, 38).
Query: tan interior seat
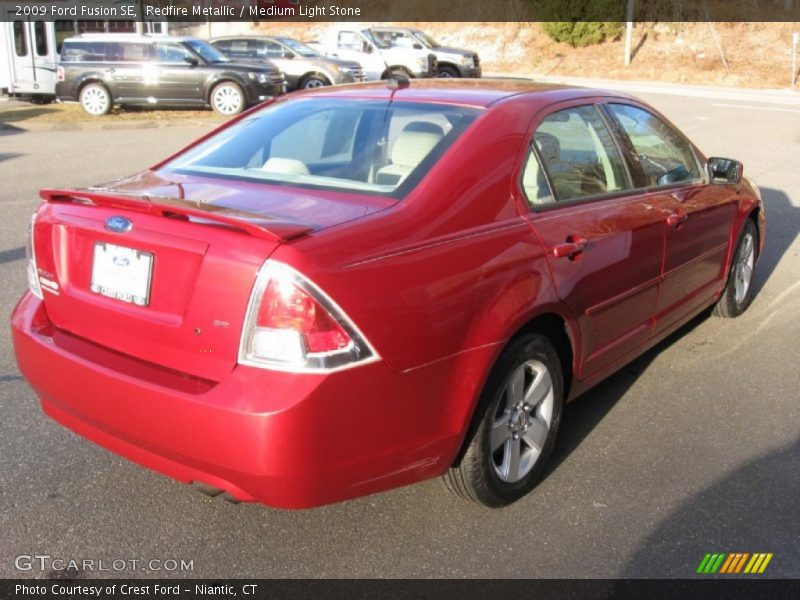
point(414, 143)
point(285, 166)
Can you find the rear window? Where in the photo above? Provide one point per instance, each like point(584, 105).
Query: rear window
point(351, 145)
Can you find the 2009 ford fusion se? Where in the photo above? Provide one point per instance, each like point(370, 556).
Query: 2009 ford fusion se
point(348, 290)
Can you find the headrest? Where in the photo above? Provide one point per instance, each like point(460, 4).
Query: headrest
point(415, 142)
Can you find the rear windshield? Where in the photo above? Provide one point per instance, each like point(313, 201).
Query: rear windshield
point(344, 144)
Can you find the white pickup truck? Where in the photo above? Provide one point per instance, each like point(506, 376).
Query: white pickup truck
point(378, 58)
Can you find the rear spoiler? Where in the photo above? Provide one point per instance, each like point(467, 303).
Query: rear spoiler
point(254, 224)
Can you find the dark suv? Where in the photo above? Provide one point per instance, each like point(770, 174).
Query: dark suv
point(103, 70)
point(302, 66)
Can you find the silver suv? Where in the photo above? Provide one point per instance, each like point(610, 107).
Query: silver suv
point(302, 66)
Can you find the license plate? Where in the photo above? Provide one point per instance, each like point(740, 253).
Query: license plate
point(122, 273)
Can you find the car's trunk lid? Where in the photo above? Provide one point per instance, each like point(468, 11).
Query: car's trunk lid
point(161, 278)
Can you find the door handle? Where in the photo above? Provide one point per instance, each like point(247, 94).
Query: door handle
point(109, 71)
point(677, 218)
point(570, 248)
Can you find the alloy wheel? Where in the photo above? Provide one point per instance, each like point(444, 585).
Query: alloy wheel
point(522, 421)
point(743, 271)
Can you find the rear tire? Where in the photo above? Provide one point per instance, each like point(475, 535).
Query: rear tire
point(738, 292)
point(521, 403)
point(227, 99)
point(96, 99)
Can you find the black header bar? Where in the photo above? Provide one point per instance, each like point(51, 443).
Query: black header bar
point(402, 10)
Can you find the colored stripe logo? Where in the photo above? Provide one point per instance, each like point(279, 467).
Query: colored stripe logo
point(734, 563)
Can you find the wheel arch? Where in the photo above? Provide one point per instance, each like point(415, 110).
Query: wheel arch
point(224, 78)
point(90, 79)
point(556, 327)
point(451, 65)
point(321, 74)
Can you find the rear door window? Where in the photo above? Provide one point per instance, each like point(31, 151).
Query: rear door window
point(662, 156)
point(579, 154)
point(127, 52)
point(172, 53)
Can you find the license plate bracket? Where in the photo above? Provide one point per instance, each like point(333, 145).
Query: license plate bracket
point(122, 273)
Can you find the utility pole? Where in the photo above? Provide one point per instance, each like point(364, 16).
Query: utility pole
point(628, 33)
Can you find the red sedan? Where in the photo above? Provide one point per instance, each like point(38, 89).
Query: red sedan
point(353, 289)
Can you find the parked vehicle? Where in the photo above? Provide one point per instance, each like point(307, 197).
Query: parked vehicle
point(302, 66)
point(452, 62)
point(356, 288)
point(27, 60)
point(380, 60)
point(102, 70)
point(29, 52)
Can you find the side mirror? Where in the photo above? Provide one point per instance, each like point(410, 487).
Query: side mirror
point(417, 46)
point(191, 61)
point(366, 48)
point(724, 170)
point(288, 54)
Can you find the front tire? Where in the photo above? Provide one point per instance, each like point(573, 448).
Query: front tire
point(448, 72)
point(96, 99)
point(738, 293)
point(313, 82)
point(227, 99)
point(521, 406)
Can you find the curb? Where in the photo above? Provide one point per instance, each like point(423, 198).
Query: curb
point(108, 126)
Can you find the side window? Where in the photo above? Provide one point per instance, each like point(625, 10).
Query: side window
point(579, 154)
point(20, 43)
point(273, 50)
point(534, 182)
point(169, 52)
point(237, 48)
point(79, 51)
point(223, 46)
point(349, 40)
point(663, 156)
point(40, 35)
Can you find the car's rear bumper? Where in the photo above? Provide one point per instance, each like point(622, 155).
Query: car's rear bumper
point(286, 440)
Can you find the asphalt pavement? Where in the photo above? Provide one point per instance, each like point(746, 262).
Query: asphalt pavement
point(692, 448)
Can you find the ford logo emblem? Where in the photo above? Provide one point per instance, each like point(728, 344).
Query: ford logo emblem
point(121, 261)
point(119, 224)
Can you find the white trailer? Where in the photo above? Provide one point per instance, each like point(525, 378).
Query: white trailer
point(29, 51)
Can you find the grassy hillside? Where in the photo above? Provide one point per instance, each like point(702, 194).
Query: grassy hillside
point(735, 54)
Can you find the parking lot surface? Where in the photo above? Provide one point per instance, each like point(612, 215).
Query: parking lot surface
point(693, 448)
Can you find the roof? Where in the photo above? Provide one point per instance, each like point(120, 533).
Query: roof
point(130, 37)
point(469, 92)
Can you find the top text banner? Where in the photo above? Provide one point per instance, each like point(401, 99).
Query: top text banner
point(402, 10)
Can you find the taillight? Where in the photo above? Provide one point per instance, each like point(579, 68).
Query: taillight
point(292, 325)
point(33, 271)
point(60, 75)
